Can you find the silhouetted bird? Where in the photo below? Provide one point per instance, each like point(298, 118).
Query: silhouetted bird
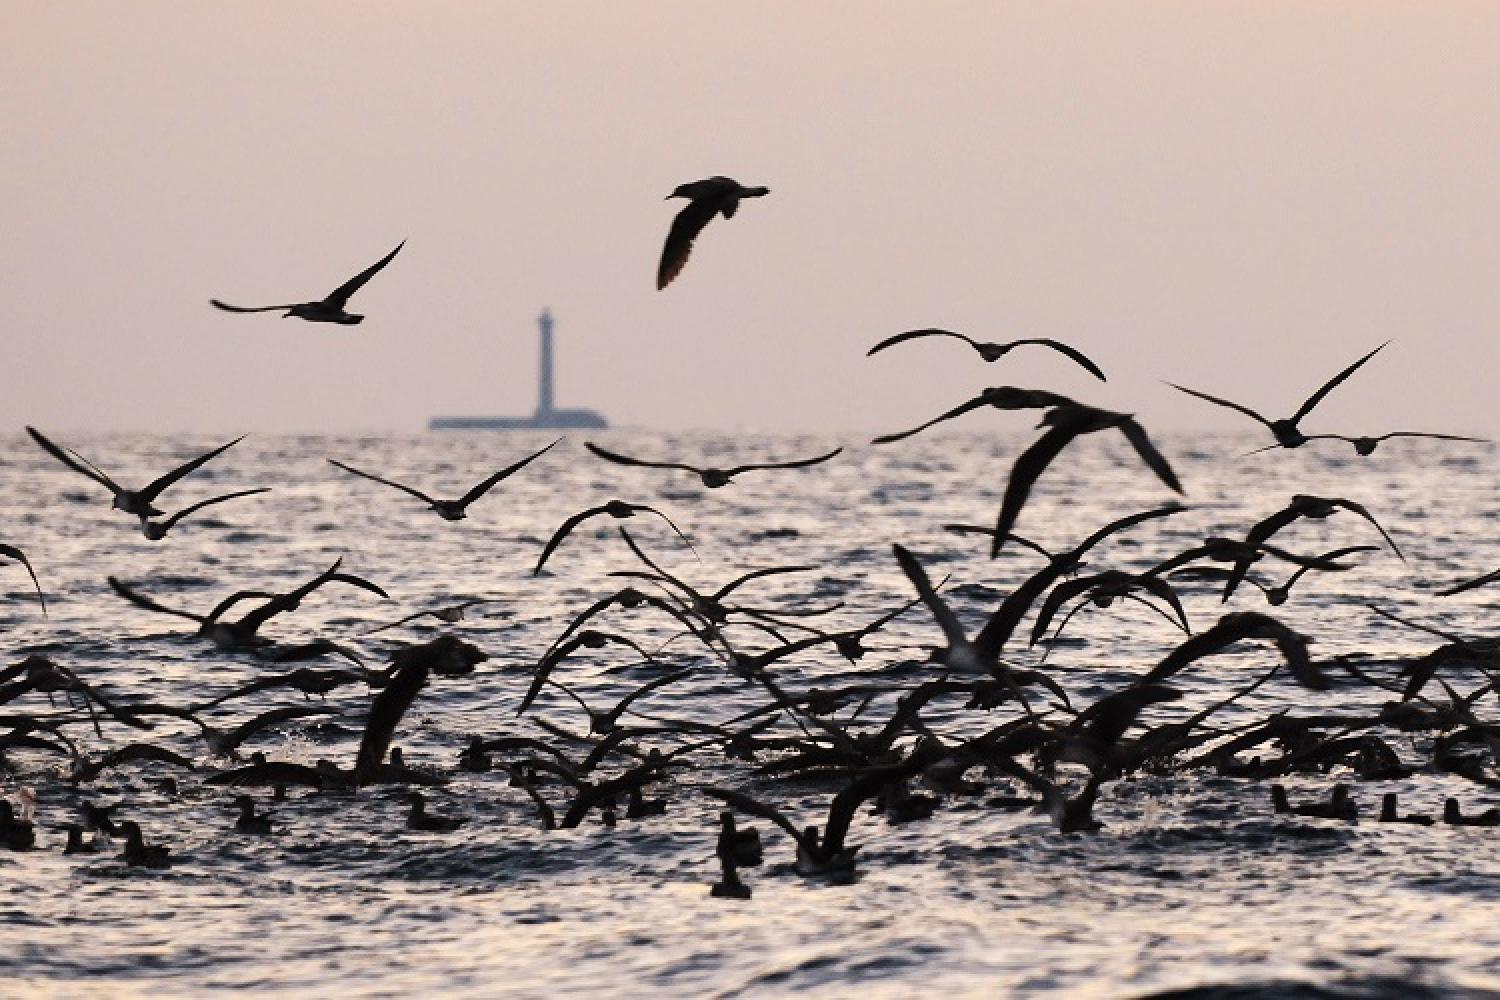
point(139, 854)
point(1388, 813)
point(706, 198)
point(328, 310)
point(137, 502)
point(990, 351)
point(249, 820)
point(1286, 431)
point(1367, 445)
point(712, 478)
point(1339, 806)
point(1066, 423)
point(615, 508)
point(452, 510)
point(420, 819)
point(1454, 816)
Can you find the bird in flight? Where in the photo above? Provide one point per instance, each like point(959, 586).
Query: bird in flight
point(329, 310)
point(1286, 431)
point(706, 198)
point(712, 478)
point(137, 502)
point(452, 510)
point(990, 351)
point(614, 508)
point(11, 552)
point(1366, 445)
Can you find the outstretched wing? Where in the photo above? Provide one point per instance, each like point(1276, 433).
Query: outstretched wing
point(800, 463)
point(504, 473)
point(169, 522)
point(249, 309)
point(11, 552)
point(1331, 384)
point(1071, 352)
point(1221, 402)
point(86, 469)
point(1023, 475)
point(384, 482)
point(1136, 435)
point(562, 532)
point(159, 486)
point(914, 334)
point(619, 459)
point(340, 295)
point(685, 229)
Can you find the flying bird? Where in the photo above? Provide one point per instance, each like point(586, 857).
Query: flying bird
point(1286, 431)
point(712, 478)
point(329, 310)
point(452, 510)
point(1066, 423)
point(1367, 445)
point(706, 198)
point(137, 502)
point(615, 508)
point(991, 351)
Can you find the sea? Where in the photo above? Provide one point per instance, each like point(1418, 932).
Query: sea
point(1193, 886)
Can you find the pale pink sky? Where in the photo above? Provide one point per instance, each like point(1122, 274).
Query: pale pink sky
point(1242, 197)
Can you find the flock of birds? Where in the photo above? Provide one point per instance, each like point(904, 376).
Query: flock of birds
point(869, 743)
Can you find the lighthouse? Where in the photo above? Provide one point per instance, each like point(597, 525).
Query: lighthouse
point(547, 416)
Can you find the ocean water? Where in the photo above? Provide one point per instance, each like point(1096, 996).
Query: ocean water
point(1192, 883)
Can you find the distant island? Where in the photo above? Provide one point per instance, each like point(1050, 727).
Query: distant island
point(546, 417)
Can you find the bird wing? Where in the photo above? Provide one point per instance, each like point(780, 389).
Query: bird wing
point(953, 632)
point(685, 229)
point(1476, 582)
point(1023, 475)
point(756, 574)
point(800, 463)
point(755, 807)
point(674, 527)
point(618, 459)
point(11, 552)
point(386, 711)
point(340, 295)
point(159, 486)
point(504, 473)
point(1332, 384)
point(562, 532)
point(1359, 509)
point(978, 401)
point(384, 482)
point(399, 622)
point(646, 688)
point(1221, 402)
point(217, 304)
point(274, 717)
point(142, 601)
point(85, 468)
point(914, 334)
point(1062, 594)
point(1347, 550)
point(1136, 435)
point(169, 522)
point(1061, 348)
point(1123, 523)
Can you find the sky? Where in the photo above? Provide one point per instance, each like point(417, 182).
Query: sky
point(1239, 197)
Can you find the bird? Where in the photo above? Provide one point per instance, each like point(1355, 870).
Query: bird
point(1301, 505)
point(328, 310)
point(1366, 445)
point(139, 854)
point(1001, 397)
point(614, 508)
point(990, 351)
point(1470, 584)
point(743, 847)
point(1278, 595)
point(1388, 813)
point(249, 820)
point(419, 819)
point(1286, 431)
point(1339, 806)
point(706, 198)
point(137, 502)
point(11, 552)
point(1066, 423)
point(16, 832)
point(76, 844)
point(1235, 627)
point(452, 510)
point(157, 530)
point(712, 478)
point(1454, 816)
